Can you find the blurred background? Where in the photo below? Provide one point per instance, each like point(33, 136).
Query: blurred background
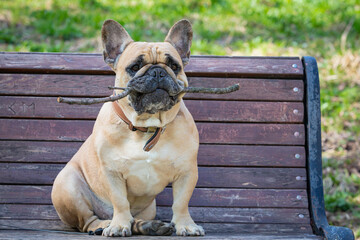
point(329, 30)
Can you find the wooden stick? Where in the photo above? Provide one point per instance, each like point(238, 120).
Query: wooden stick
point(89, 101)
point(230, 89)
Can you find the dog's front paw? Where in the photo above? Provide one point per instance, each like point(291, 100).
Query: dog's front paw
point(189, 230)
point(117, 231)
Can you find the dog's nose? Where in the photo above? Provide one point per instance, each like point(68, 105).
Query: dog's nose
point(157, 72)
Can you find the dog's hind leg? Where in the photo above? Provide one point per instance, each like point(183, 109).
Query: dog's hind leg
point(73, 201)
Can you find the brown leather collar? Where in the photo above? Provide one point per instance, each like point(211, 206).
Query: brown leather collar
point(152, 140)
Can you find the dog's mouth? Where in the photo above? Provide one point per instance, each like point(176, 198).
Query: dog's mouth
point(153, 102)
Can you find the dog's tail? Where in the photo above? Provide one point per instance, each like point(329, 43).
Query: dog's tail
point(152, 227)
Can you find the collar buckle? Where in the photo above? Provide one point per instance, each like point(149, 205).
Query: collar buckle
point(151, 129)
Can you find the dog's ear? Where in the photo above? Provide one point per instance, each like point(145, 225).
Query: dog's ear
point(114, 41)
point(180, 36)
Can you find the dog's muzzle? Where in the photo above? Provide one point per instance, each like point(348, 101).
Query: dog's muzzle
point(156, 90)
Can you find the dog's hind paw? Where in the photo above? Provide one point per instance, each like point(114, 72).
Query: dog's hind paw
point(163, 229)
point(153, 228)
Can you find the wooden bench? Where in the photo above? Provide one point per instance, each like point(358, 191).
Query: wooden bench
point(260, 173)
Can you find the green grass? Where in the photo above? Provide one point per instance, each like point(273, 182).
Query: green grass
point(254, 27)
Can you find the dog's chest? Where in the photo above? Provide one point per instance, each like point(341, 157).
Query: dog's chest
point(148, 176)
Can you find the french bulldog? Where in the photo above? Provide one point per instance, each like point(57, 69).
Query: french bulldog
point(139, 144)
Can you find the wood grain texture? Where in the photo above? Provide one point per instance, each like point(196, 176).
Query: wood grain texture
point(96, 86)
point(205, 197)
point(201, 110)
point(39, 151)
point(251, 89)
point(274, 178)
point(198, 65)
point(229, 133)
point(270, 156)
point(209, 155)
point(252, 177)
point(279, 134)
point(231, 228)
point(234, 111)
point(33, 235)
point(199, 214)
point(56, 84)
point(58, 130)
point(244, 67)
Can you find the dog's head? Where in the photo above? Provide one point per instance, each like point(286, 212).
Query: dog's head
point(154, 71)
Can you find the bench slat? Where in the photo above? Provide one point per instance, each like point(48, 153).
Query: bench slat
point(201, 110)
point(275, 178)
point(219, 155)
point(96, 86)
point(205, 197)
point(229, 133)
point(199, 214)
point(244, 67)
point(233, 228)
point(198, 66)
point(251, 89)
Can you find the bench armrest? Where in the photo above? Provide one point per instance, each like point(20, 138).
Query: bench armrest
point(314, 165)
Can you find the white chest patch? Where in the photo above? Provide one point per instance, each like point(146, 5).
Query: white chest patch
point(142, 178)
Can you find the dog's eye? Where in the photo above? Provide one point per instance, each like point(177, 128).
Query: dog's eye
point(135, 68)
point(174, 67)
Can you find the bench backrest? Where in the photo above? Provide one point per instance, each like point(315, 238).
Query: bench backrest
point(252, 157)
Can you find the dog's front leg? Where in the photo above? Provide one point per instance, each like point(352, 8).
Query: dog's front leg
point(121, 222)
point(183, 188)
